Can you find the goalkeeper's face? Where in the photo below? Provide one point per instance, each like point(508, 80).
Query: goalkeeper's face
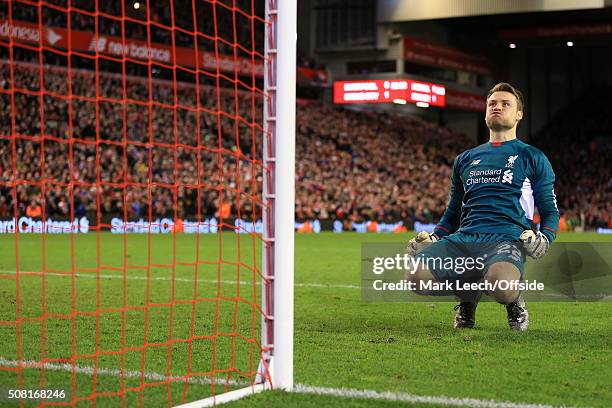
point(502, 111)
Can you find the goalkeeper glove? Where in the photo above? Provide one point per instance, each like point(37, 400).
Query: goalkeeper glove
point(418, 243)
point(535, 243)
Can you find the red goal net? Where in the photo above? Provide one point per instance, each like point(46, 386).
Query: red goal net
point(131, 204)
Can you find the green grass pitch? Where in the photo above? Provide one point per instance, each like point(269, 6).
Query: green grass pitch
point(340, 341)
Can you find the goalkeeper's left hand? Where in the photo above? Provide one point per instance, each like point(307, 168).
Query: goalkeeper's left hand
point(535, 243)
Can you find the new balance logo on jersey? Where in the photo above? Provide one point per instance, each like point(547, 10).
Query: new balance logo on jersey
point(511, 160)
point(475, 162)
point(507, 177)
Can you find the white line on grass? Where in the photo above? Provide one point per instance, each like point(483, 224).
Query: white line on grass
point(404, 397)
point(115, 372)
point(232, 282)
point(227, 282)
point(166, 279)
point(298, 388)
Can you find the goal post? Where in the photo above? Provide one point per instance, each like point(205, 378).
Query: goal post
point(284, 201)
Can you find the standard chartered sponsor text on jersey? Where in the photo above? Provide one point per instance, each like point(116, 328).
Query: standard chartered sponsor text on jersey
point(475, 179)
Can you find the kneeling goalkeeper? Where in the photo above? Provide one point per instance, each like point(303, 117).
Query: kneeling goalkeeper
point(494, 188)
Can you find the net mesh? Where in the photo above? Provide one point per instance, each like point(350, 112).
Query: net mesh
point(130, 199)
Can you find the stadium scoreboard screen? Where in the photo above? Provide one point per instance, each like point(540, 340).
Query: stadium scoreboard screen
point(386, 90)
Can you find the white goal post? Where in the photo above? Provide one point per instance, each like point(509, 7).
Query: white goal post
point(283, 135)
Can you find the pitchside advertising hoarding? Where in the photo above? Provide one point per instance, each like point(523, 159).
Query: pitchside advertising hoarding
point(28, 225)
point(115, 225)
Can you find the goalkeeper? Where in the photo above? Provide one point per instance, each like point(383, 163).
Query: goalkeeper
point(494, 189)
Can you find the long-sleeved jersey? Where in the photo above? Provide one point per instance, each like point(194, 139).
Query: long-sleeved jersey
point(494, 188)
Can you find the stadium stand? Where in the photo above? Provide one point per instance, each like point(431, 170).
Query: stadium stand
point(353, 166)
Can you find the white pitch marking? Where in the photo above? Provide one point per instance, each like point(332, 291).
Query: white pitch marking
point(166, 279)
point(232, 282)
point(298, 388)
point(422, 399)
point(115, 372)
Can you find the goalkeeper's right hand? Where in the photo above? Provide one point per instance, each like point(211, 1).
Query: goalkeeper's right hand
point(418, 243)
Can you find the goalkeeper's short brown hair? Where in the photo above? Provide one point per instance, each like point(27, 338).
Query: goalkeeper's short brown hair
point(506, 87)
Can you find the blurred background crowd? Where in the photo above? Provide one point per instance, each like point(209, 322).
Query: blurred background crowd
point(82, 142)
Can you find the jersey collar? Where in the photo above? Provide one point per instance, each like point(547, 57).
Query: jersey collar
point(496, 144)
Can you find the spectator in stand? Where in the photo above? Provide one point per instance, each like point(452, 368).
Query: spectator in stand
point(34, 210)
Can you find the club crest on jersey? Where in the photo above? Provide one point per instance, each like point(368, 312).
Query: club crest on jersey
point(511, 160)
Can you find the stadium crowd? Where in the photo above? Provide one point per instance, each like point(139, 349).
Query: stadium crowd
point(105, 126)
point(352, 166)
